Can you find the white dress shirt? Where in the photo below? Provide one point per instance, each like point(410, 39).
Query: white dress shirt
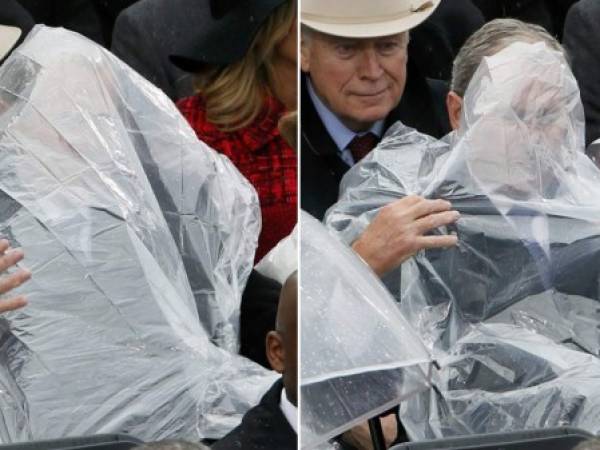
point(289, 411)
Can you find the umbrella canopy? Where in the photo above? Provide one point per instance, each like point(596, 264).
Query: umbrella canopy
point(358, 355)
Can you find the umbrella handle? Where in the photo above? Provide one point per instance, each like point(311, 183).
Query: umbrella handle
point(376, 434)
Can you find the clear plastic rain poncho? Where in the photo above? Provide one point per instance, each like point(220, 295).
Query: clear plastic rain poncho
point(140, 239)
point(359, 357)
point(527, 262)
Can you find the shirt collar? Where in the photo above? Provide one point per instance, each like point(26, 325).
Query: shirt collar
point(289, 411)
point(340, 134)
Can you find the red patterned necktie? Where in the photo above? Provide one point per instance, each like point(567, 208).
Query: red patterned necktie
point(360, 146)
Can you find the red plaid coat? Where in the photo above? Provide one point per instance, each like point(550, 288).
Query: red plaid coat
point(263, 157)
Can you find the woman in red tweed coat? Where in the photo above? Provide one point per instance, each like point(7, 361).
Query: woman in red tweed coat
point(246, 80)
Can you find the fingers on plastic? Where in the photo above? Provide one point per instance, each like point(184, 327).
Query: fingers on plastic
point(443, 241)
point(10, 258)
point(426, 207)
point(432, 221)
point(11, 304)
point(9, 282)
point(401, 209)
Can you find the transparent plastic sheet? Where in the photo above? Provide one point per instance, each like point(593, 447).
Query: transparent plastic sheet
point(112, 197)
point(505, 377)
point(529, 233)
point(282, 260)
point(88, 102)
point(359, 357)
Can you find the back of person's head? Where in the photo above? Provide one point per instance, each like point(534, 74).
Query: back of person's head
point(171, 445)
point(489, 40)
point(234, 94)
point(282, 343)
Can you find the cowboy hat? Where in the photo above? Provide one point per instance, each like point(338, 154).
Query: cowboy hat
point(365, 19)
point(228, 36)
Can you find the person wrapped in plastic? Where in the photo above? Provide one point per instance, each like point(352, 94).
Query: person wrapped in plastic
point(511, 312)
point(140, 239)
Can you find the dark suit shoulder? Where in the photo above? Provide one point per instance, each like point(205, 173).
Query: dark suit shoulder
point(263, 427)
point(418, 107)
point(583, 47)
point(147, 32)
point(321, 168)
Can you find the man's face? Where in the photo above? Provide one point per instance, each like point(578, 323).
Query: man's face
point(360, 80)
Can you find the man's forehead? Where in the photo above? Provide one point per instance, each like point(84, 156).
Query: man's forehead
point(341, 39)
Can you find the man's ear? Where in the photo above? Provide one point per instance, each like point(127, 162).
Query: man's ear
point(275, 351)
point(304, 53)
point(454, 107)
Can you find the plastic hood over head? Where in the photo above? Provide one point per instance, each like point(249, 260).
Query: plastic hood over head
point(359, 356)
point(525, 266)
point(140, 239)
point(521, 130)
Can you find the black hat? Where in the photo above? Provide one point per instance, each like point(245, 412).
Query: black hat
point(13, 17)
point(228, 35)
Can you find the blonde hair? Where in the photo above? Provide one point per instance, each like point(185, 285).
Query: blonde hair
point(288, 126)
point(234, 94)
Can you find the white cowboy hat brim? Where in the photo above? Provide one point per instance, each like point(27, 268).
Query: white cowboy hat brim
point(371, 27)
point(8, 38)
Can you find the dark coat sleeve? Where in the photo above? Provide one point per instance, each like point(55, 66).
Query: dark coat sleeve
point(132, 43)
point(580, 38)
point(257, 317)
point(75, 15)
point(146, 33)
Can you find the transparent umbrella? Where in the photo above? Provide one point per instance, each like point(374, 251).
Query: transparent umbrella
point(358, 355)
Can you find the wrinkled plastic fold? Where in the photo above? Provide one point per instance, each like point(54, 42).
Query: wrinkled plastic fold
point(282, 260)
point(526, 263)
point(140, 239)
point(359, 357)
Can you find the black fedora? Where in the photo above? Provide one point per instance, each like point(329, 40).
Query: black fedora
point(227, 37)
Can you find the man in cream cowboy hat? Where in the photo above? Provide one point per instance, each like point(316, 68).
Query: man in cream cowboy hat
point(353, 56)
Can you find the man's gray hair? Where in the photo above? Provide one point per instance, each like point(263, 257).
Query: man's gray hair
point(489, 40)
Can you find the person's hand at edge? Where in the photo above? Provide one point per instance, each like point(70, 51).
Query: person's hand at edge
point(399, 231)
point(9, 258)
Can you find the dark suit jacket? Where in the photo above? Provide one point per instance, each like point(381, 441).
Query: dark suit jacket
point(76, 15)
point(499, 269)
point(580, 38)
point(435, 43)
point(108, 11)
point(146, 33)
point(257, 316)
point(421, 107)
point(263, 427)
